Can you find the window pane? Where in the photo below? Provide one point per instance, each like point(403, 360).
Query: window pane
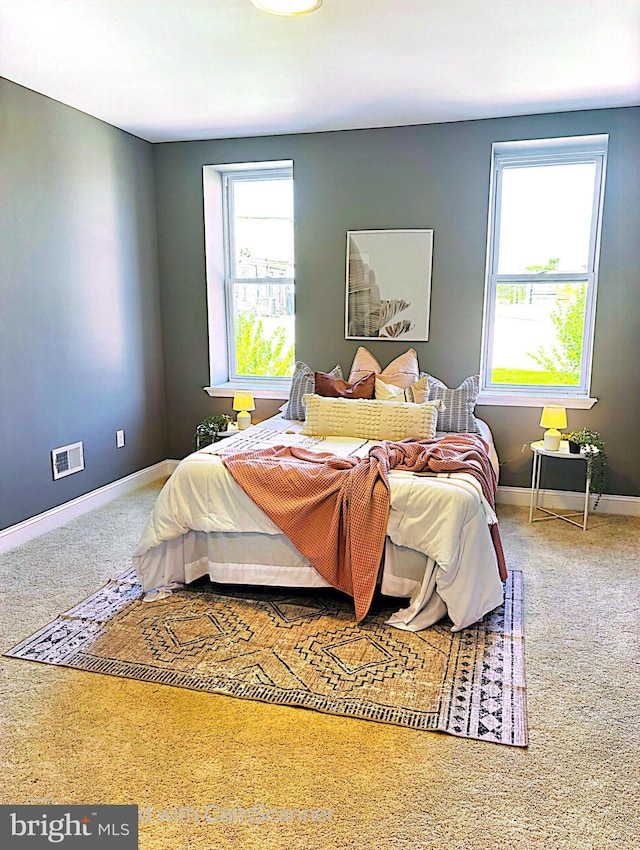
point(265, 329)
point(538, 333)
point(545, 218)
point(263, 228)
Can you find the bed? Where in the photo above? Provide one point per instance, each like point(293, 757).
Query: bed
point(439, 557)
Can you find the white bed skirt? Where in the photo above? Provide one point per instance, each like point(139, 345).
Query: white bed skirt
point(273, 561)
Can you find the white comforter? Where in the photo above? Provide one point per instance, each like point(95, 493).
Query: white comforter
point(444, 517)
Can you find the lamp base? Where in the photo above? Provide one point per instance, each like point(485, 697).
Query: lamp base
point(243, 419)
point(552, 440)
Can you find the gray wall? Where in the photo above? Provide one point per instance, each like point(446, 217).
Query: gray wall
point(80, 334)
point(83, 338)
point(433, 176)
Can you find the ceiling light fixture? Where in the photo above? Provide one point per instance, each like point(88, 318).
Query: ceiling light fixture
point(287, 7)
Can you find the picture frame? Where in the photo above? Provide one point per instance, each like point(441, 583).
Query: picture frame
point(388, 284)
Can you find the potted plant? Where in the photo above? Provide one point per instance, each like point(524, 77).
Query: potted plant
point(591, 445)
point(209, 429)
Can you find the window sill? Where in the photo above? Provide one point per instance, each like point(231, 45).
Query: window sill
point(500, 400)
point(262, 390)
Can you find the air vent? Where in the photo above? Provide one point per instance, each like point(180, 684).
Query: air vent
point(67, 459)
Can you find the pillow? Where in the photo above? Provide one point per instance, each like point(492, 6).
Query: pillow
point(327, 385)
point(459, 404)
point(417, 392)
point(303, 382)
point(402, 372)
point(370, 419)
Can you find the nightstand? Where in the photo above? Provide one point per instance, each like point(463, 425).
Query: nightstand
point(220, 435)
point(563, 454)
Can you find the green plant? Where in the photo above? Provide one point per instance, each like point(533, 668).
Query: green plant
point(565, 356)
point(208, 430)
point(260, 354)
point(593, 448)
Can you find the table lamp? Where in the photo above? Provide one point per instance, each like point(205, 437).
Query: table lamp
point(243, 403)
point(554, 416)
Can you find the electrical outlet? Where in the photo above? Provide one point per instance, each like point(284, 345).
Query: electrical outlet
point(119, 439)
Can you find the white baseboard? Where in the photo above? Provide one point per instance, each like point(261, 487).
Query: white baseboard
point(22, 532)
point(569, 500)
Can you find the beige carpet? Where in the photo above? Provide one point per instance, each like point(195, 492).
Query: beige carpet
point(75, 737)
point(302, 649)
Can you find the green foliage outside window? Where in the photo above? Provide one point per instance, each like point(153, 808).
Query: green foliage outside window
point(561, 362)
point(532, 377)
point(565, 357)
point(515, 293)
point(259, 353)
point(550, 266)
point(511, 293)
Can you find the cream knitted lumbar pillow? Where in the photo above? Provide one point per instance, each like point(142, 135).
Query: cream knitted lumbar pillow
point(370, 419)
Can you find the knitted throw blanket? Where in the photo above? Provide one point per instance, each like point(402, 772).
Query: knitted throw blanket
point(335, 509)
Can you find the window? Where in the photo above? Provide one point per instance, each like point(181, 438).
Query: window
point(250, 275)
point(259, 275)
point(542, 265)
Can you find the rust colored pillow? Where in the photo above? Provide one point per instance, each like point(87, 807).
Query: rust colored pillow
point(330, 387)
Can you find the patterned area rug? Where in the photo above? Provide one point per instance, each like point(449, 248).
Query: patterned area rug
point(302, 648)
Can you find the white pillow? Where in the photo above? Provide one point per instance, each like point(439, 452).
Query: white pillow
point(403, 371)
point(370, 419)
point(417, 392)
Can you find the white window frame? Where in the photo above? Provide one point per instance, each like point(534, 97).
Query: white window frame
point(216, 252)
point(270, 171)
point(580, 149)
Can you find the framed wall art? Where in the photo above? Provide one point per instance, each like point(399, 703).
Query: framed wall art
point(388, 284)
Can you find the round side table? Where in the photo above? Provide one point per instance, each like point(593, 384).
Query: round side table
point(539, 453)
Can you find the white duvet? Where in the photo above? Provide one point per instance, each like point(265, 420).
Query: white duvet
point(444, 518)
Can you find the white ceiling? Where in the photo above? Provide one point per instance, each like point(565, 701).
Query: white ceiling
point(170, 70)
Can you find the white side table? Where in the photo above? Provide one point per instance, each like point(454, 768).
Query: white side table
point(219, 436)
point(539, 452)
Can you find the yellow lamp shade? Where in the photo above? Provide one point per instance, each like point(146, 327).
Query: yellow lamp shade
point(243, 403)
point(287, 7)
point(243, 400)
point(553, 416)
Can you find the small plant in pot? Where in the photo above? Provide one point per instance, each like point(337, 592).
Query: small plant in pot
point(208, 430)
point(591, 445)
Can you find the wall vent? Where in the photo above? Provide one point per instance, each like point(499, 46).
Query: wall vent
point(67, 459)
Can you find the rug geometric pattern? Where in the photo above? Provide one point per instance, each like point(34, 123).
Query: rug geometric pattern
point(303, 648)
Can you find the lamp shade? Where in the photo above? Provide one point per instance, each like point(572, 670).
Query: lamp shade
point(243, 400)
point(287, 7)
point(553, 416)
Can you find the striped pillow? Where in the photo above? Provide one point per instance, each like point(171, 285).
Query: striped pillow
point(459, 404)
point(302, 383)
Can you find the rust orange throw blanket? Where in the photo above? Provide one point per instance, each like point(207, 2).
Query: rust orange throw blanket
point(335, 509)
